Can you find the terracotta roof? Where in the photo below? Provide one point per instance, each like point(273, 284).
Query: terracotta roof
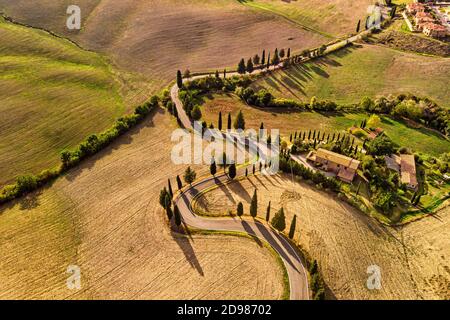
point(434, 26)
point(346, 175)
point(408, 169)
point(423, 15)
point(338, 158)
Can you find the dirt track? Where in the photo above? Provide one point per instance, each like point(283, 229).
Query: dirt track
point(414, 260)
point(105, 218)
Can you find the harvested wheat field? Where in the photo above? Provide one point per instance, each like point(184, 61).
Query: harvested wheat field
point(414, 260)
point(105, 218)
point(155, 38)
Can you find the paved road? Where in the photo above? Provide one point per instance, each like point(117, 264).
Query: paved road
point(298, 280)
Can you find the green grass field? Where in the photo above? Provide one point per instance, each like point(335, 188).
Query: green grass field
point(354, 72)
point(53, 94)
point(418, 139)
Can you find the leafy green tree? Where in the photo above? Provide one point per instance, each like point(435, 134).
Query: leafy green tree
point(179, 183)
point(250, 68)
point(279, 220)
point(213, 167)
point(374, 121)
point(292, 228)
point(189, 175)
point(240, 209)
point(179, 79)
point(380, 146)
point(268, 212)
point(241, 66)
point(232, 171)
point(186, 74)
point(177, 215)
point(219, 124)
point(239, 122)
point(254, 205)
point(196, 113)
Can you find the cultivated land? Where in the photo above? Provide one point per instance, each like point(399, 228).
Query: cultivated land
point(354, 72)
point(334, 18)
point(288, 121)
point(414, 259)
point(155, 38)
point(105, 217)
point(53, 95)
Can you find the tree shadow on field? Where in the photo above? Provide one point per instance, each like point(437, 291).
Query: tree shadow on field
point(126, 139)
point(251, 232)
point(185, 245)
point(237, 188)
point(183, 238)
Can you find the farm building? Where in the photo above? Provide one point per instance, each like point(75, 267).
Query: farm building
point(405, 165)
point(434, 30)
point(344, 167)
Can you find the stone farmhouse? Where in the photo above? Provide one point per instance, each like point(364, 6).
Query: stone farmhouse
point(344, 167)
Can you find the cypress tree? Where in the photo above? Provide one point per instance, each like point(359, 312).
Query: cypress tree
point(169, 212)
point(253, 168)
point(263, 59)
point(229, 121)
point(358, 26)
point(240, 209)
point(276, 58)
point(239, 122)
point(213, 167)
point(292, 228)
point(241, 66)
point(170, 189)
point(177, 215)
point(224, 73)
point(268, 61)
point(254, 205)
point(232, 171)
point(162, 197)
point(289, 53)
point(219, 124)
point(246, 172)
point(250, 66)
point(217, 74)
point(179, 183)
point(179, 79)
point(290, 138)
point(268, 213)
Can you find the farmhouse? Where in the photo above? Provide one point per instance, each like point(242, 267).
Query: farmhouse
point(434, 30)
point(415, 7)
point(344, 167)
point(404, 164)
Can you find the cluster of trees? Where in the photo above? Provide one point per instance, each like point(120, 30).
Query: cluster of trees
point(287, 165)
point(262, 62)
point(421, 110)
point(69, 159)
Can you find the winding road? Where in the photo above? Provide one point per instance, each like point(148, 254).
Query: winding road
point(298, 278)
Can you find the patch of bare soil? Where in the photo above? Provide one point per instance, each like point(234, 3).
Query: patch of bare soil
point(414, 260)
point(402, 41)
point(105, 218)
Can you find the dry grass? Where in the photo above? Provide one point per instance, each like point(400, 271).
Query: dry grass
point(104, 217)
point(158, 37)
point(333, 17)
point(414, 260)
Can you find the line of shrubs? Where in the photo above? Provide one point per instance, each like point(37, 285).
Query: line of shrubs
point(69, 159)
